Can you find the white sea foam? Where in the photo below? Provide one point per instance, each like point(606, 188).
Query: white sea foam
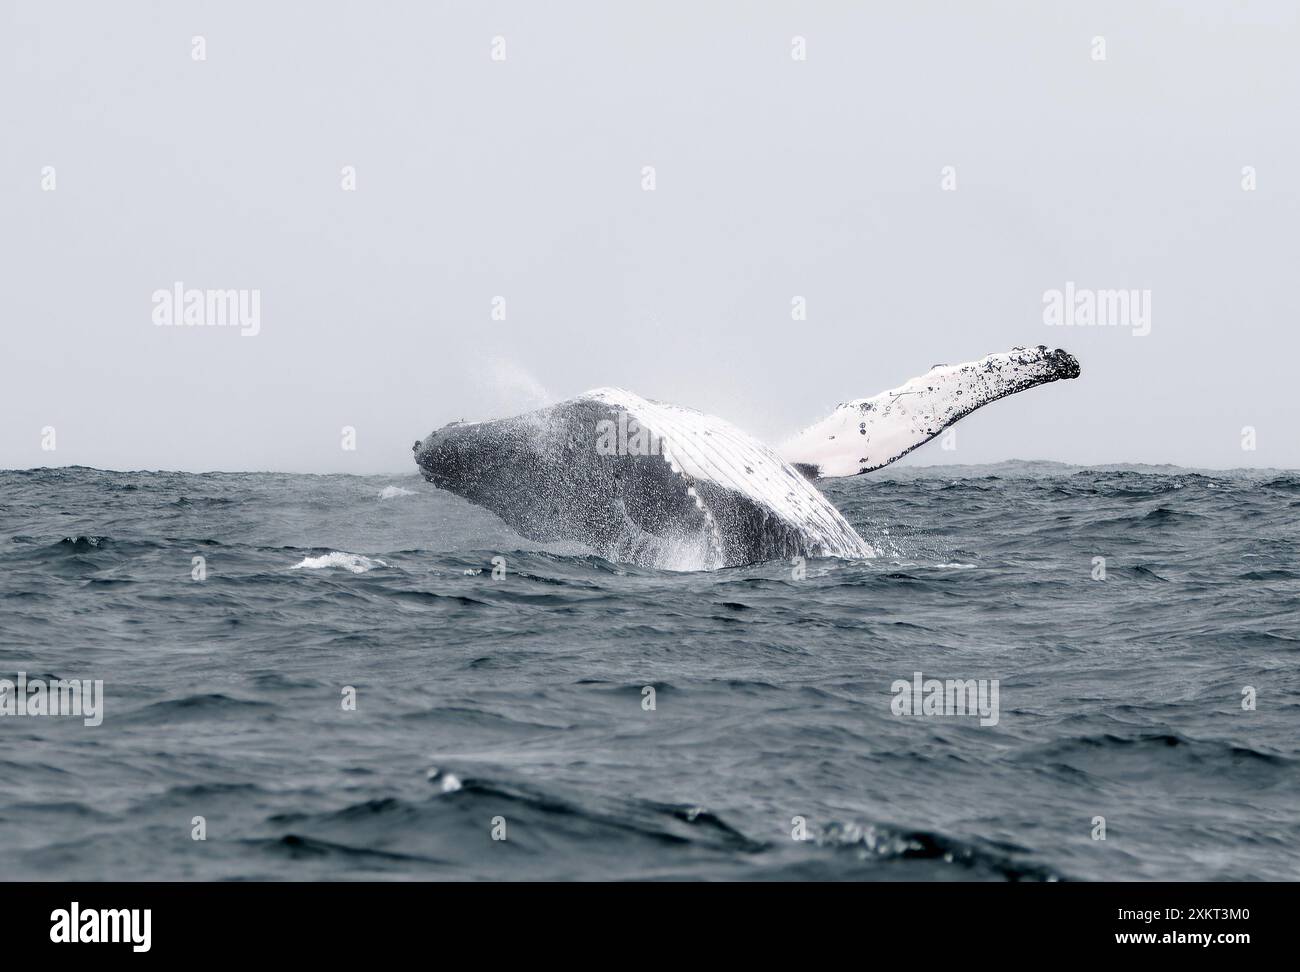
point(355, 563)
point(392, 492)
point(448, 782)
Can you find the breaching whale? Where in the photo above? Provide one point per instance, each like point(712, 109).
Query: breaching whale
point(658, 485)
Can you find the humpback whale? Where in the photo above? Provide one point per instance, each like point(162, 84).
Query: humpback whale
point(659, 485)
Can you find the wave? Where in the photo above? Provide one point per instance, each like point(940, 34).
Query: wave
point(983, 859)
point(622, 837)
point(211, 705)
point(1141, 755)
point(83, 544)
point(297, 847)
point(356, 563)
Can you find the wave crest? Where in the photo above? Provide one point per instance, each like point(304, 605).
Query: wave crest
point(356, 563)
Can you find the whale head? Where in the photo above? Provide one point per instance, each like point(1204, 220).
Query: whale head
point(446, 458)
point(535, 471)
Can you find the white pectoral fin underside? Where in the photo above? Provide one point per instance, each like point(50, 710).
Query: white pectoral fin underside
point(701, 447)
point(868, 433)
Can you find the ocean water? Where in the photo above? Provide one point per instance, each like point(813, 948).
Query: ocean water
point(518, 703)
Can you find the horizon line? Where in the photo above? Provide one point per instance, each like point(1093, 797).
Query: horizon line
point(882, 470)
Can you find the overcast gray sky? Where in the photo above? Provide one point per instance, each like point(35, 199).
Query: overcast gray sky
point(129, 165)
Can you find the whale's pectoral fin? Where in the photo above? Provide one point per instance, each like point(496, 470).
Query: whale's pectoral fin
point(868, 433)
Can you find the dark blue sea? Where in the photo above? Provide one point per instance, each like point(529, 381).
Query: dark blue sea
point(1164, 698)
